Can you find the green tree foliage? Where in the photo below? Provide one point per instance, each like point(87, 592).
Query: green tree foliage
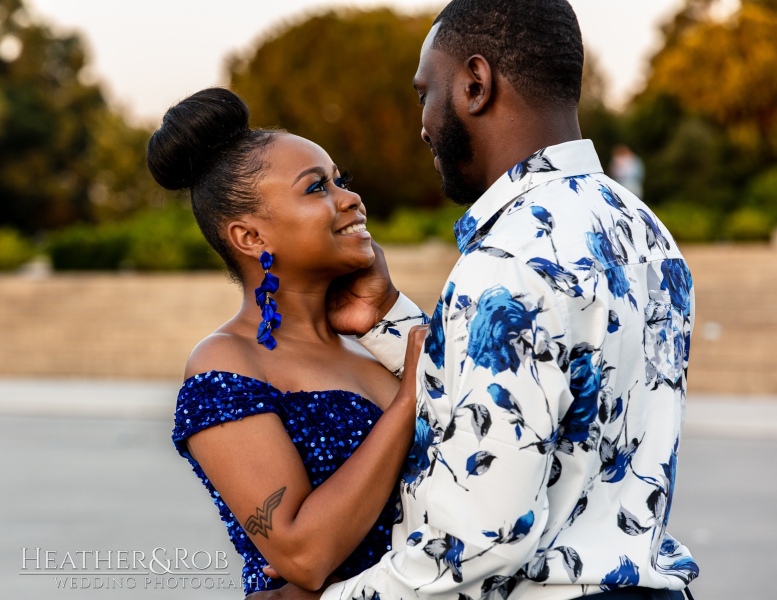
point(64, 155)
point(706, 122)
point(345, 81)
point(119, 182)
point(42, 124)
point(726, 71)
point(705, 125)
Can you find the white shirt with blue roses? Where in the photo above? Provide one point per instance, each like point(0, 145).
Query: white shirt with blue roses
point(552, 397)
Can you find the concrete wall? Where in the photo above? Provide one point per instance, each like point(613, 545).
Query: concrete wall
point(143, 326)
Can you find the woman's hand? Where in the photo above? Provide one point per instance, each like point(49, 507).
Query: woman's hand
point(306, 534)
point(415, 344)
point(270, 572)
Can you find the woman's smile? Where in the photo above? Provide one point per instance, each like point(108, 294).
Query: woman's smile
point(358, 229)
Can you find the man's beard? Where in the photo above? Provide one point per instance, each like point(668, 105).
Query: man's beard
point(454, 150)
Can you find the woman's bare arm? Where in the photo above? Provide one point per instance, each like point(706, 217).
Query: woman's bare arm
point(305, 534)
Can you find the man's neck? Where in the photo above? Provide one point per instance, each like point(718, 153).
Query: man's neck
point(511, 141)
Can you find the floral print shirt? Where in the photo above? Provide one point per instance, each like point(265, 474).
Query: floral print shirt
point(552, 390)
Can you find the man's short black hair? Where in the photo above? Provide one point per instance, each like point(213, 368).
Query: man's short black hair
point(535, 44)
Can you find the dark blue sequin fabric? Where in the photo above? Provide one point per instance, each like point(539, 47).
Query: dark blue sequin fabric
point(326, 427)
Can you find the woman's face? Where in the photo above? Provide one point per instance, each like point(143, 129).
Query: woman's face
point(312, 222)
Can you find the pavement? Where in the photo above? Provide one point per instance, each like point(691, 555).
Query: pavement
point(91, 485)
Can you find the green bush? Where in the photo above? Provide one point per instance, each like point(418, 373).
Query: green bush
point(402, 228)
point(15, 250)
point(749, 225)
point(441, 222)
point(88, 248)
point(169, 240)
point(414, 226)
point(154, 240)
point(762, 194)
point(689, 223)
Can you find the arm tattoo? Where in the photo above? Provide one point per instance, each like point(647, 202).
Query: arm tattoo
point(261, 523)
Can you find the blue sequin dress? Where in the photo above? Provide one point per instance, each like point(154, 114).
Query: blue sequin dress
point(326, 428)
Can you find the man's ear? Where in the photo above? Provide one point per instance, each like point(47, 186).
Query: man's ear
point(479, 84)
point(245, 237)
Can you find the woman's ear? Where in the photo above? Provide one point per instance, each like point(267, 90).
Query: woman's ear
point(479, 84)
point(244, 234)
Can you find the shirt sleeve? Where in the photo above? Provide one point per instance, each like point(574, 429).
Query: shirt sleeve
point(475, 491)
point(388, 339)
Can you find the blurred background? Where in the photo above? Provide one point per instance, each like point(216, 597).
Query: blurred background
point(106, 283)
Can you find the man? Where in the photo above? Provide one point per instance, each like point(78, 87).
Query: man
point(553, 374)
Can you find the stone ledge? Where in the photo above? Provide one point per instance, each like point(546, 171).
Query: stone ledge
point(144, 326)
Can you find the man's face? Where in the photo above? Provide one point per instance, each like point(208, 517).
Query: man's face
point(443, 129)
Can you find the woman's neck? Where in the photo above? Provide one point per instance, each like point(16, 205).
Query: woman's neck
point(302, 307)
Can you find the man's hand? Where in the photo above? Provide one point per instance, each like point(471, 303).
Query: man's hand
point(357, 302)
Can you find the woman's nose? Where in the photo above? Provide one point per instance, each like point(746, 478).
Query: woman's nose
point(349, 200)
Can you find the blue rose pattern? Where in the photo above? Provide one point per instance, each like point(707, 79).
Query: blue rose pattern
point(487, 392)
point(500, 332)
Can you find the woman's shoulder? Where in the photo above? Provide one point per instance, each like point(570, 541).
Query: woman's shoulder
point(227, 363)
point(222, 370)
point(222, 384)
point(221, 351)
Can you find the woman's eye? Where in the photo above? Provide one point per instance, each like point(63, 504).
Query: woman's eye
point(344, 180)
point(319, 186)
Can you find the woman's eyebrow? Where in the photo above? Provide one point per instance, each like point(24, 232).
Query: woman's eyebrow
point(313, 170)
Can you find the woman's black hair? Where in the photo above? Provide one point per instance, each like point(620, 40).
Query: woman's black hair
point(206, 146)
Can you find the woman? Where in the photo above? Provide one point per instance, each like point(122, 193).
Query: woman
point(302, 478)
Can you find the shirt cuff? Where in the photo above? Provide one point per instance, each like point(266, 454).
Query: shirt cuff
point(334, 591)
point(388, 339)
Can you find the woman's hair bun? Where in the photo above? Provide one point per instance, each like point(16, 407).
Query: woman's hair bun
point(192, 133)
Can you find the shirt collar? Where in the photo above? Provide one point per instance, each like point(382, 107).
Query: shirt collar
point(565, 160)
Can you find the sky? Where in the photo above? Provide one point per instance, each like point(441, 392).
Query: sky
point(151, 53)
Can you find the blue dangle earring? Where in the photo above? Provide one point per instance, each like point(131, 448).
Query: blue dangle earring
point(271, 318)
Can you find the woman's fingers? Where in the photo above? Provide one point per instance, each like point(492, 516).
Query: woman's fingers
point(415, 344)
point(270, 572)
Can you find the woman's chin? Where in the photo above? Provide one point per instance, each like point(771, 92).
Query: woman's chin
point(368, 259)
point(363, 260)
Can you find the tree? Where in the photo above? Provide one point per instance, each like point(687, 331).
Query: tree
point(42, 127)
point(65, 156)
point(119, 182)
point(726, 71)
point(707, 119)
point(769, 4)
point(345, 82)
